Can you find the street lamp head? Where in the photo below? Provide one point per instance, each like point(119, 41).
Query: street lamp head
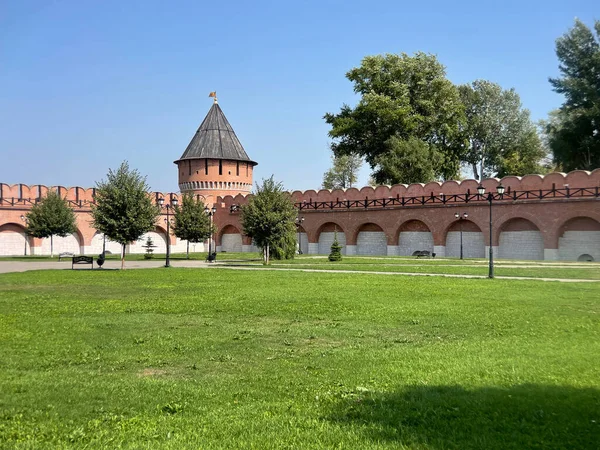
point(161, 201)
point(22, 217)
point(457, 215)
point(214, 209)
point(465, 215)
point(480, 189)
point(500, 189)
point(174, 202)
point(206, 210)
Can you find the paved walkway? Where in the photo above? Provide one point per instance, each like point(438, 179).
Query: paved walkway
point(23, 266)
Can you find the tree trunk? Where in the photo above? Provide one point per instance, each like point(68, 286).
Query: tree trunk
point(267, 254)
point(475, 173)
point(123, 256)
point(188, 249)
point(51, 246)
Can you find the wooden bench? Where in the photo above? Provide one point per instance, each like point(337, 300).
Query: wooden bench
point(82, 260)
point(65, 255)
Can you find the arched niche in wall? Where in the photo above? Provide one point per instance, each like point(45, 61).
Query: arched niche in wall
point(413, 236)
point(579, 240)
point(473, 244)
point(520, 239)
point(326, 235)
point(13, 240)
point(371, 240)
point(231, 239)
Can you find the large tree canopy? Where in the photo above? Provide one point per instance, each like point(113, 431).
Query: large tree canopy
point(123, 210)
point(574, 133)
point(268, 218)
point(51, 216)
point(500, 137)
point(405, 98)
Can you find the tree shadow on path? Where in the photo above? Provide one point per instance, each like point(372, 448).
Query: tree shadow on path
point(450, 417)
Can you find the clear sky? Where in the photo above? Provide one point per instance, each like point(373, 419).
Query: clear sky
point(86, 84)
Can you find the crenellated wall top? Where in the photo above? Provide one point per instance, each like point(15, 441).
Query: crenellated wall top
point(575, 179)
point(76, 194)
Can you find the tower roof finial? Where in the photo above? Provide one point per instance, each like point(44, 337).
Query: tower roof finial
point(214, 95)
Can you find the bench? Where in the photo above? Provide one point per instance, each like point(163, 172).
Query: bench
point(423, 254)
point(82, 260)
point(65, 255)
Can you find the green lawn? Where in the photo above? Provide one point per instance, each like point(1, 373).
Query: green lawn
point(193, 358)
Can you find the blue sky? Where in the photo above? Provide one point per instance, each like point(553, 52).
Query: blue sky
point(87, 84)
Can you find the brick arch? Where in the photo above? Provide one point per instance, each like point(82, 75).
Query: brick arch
point(324, 237)
point(230, 239)
point(498, 222)
point(520, 238)
point(368, 225)
point(579, 236)
point(473, 245)
point(554, 232)
point(371, 239)
point(14, 245)
point(414, 234)
point(12, 226)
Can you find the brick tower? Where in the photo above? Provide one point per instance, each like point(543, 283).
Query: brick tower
point(215, 163)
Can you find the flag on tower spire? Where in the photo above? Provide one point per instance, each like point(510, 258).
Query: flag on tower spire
point(214, 95)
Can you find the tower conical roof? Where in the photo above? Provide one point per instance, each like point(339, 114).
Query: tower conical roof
point(215, 139)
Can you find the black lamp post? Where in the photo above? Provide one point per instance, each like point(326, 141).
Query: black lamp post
point(161, 202)
point(460, 219)
point(299, 221)
point(26, 220)
point(210, 212)
point(490, 198)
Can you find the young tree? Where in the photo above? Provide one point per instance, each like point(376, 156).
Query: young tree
point(402, 97)
point(269, 219)
point(336, 249)
point(51, 216)
point(500, 135)
point(574, 133)
point(123, 210)
point(191, 223)
point(344, 172)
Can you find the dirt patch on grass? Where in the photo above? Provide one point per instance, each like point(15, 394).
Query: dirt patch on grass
point(151, 372)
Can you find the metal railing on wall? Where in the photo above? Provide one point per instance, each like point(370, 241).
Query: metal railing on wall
point(444, 199)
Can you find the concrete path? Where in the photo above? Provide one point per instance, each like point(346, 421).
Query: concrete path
point(23, 266)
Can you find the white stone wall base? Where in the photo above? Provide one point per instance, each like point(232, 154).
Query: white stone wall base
point(313, 248)
point(439, 250)
point(350, 250)
point(551, 254)
point(392, 250)
point(219, 248)
point(487, 252)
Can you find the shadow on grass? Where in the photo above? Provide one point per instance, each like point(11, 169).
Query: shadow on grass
point(451, 417)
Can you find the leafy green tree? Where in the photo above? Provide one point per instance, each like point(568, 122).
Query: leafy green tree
point(501, 138)
point(402, 97)
point(344, 172)
point(269, 219)
point(574, 134)
point(191, 223)
point(410, 160)
point(49, 217)
point(123, 210)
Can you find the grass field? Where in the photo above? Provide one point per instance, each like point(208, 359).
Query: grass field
point(191, 358)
